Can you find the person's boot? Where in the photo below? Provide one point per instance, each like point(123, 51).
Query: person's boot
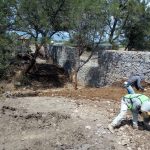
point(111, 128)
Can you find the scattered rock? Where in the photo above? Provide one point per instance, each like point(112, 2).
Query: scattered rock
point(88, 127)
point(124, 142)
point(7, 94)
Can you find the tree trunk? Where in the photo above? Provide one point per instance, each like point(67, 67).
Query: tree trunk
point(33, 61)
point(46, 52)
point(74, 79)
point(113, 30)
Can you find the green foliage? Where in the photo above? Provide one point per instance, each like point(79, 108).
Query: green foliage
point(113, 20)
point(40, 20)
point(4, 65)
point(137, 29)
point(43, 18)
point(88, 23)
point(128, 23)
point(8, 48)
point(6, 42)
point(69, 43)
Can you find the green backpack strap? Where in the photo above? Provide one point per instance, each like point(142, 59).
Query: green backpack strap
point(141, 97)
point(130, 96)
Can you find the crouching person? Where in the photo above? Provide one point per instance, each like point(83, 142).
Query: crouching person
point(135, 103)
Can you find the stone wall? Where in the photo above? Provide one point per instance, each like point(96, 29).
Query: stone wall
point(88, 75)
point(115, 65)
point(63, 56)
point(105, 67)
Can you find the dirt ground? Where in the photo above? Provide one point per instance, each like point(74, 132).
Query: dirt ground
point(44, 112)
point(65, 119)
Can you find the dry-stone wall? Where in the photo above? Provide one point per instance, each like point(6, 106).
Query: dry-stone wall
point(114, 65)
point(89, 74)
point(64, 56)
point(106, 67)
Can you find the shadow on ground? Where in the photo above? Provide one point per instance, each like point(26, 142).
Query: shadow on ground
point(48, 76)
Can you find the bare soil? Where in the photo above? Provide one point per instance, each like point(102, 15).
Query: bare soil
point(65, 119)
point(43, 116)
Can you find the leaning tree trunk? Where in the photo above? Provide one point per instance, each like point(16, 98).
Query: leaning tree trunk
point(76, 69)
point(75, 80)
point(33, 60)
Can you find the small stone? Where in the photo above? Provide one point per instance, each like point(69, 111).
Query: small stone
point(104, 132)
point(118, 134)
point(119, 143)
point(122, 128)
point(39, 121)
point(88, 127)
point(111, 115)
point(113, 147)
point(99, 125)
point(75, 111)
point(111, 110)
point(124, 142)
point(17, 83)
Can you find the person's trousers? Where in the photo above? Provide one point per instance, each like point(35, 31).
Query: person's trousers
point(129, 88)
point(121, 116)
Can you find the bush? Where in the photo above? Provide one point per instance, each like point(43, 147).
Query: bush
point(2, 70)
point(115, 47)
